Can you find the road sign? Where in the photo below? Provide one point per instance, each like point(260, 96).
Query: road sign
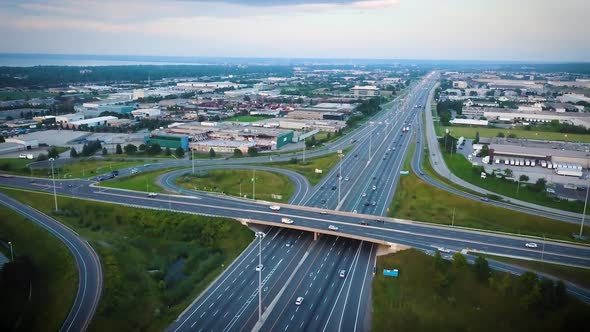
point(390, 273)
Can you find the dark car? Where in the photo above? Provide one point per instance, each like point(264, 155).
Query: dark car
point(363, 223)
point(333, 187)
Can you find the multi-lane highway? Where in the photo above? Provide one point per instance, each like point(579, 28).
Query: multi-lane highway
point(89, 270)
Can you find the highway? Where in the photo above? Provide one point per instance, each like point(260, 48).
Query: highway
point(90, 278)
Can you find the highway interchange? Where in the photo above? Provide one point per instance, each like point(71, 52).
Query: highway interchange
point(310, 268)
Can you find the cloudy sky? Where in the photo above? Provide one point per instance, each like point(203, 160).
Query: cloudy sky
point(535, 30)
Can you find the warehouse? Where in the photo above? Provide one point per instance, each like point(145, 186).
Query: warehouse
point(558, 156)
point(168, 141)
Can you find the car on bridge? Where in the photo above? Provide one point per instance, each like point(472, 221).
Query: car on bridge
point(333, 228)
point(287, 221)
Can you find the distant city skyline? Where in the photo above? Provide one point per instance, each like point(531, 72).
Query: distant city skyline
point(502, 30)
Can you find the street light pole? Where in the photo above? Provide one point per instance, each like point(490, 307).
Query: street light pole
point(543, 251)
point(339, 177)
point(11, 251)
point(254, 184)
point(193, 160)
point(453, 220)
point(584, 214)
point(53, 177)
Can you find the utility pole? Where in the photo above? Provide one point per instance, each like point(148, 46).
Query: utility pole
point(339, 175)
point(453, 220)
point(304, 145)
point(584, 213)
point(543, 251)
point(193, 160)
point(53, 177)
point(254, 184)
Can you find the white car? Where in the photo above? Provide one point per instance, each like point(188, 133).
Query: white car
point(333, 228)
point(287, 221)
point(152, 194)
point(274, 207)
point(342, 273)
point(259, 268)
point(299, 301)
point(374, 187)
point(346, 178)
point(531, 245)
point(364, 195)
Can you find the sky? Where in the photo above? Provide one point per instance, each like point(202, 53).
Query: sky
point(522, 30)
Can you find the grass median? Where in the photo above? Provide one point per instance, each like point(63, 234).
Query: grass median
point(154, 262)
point(469, 132)
point(417, 200)
point(142, 181)
point(54, 280)
point(431, 294)
point(270, 186)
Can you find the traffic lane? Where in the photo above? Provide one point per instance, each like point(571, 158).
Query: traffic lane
point(90, 278)
point(274, 275)
point(263, 214)
point(318, 273)
point(247, 322)
point(458, 235)
point(350, 310)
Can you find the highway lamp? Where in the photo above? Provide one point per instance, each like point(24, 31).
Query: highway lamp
point(240, 187)
point(340, 175)
point(260, 236)
point(53, 178)
point(543, 250)
point(253, 184)
point(453, 220)
point(584, 213)
point(11, 251)
point(193, 160)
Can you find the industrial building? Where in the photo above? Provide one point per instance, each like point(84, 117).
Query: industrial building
point(575, 118)
point(330, 126)
point(122, 109)
point(536, 153)
point(147, 113)
point(168, 140)
point(94, 122)
point(365, 91)
point(67, 118)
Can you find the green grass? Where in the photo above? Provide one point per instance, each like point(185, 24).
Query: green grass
point(463, 169)
point(90, 168)
point(15, 165)
point(577, 275)
point(55, 276)
point(418, 200)
point(228, 182)
point(16, 95)
point(247, 118)
point(137, 248)
point(469, 132)
point(142, 181)
point(452, 298)
point(325, 163)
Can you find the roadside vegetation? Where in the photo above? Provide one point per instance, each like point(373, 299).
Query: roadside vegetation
point(577, 275)
point(17, 95)
point(44, 266)
point(238, 182)
point(417, 200)
point(83, 168)
point(154, 262)
point(433, 294)
point(248, 118)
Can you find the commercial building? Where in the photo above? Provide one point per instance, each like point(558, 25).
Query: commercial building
point(122, 109)
point(223, 146)
point(94, 122)
point(539, 153)
point(67, 118)
point(469, 122)
point(24, 144)
point(459, 84)
point(573, 98)
point(147, 113)
point(330, 126)
point(575, 118)
point(365, 91)
point(168, 140)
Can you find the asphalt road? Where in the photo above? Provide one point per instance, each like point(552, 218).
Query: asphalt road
point(90, 278)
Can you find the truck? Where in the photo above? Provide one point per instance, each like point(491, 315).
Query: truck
point(568, 172)
point(543, 163)
point(287, 221)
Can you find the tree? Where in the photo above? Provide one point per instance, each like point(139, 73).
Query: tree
point(439, 262)
point(130, 149)
point(168, 152)
point(53, 153)
point(238, 153)
point(2, 139)
point(500, 134)
point(211, 153)
point(153, 149)
point(73, 153)
point(42, 157)
point(459, 260)
point(118, 149)
point(476, 140)
point(104, 151)
point(142, 147)
point(512, 136)
point(252, 151)
point(508, 172)
point(523, 178)
point(481, 268)
point(179, 152)
point(540, 184)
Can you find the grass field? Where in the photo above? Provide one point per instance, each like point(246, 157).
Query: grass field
point(17, 95)
point(418, 200)
point(154, 262)
point(78, 169)
point(228, 182)
point(142, 181)
point(577, 275)
point(324, 163)
point(247, 118)
point(55, 275)
point(469, 132)
point(463, 169)
point(449, 297)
